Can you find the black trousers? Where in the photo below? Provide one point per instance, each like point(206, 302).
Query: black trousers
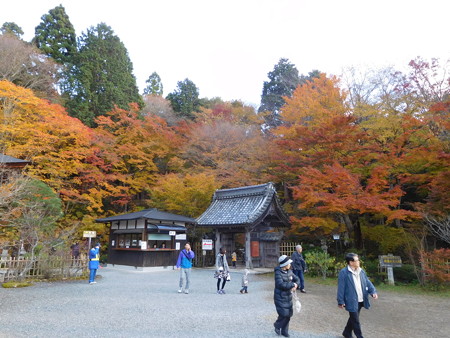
point(223, 283)
point(353, 323)
point(282, 323)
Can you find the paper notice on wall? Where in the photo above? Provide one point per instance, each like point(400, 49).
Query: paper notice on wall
point(177, 246)
point(143, 245)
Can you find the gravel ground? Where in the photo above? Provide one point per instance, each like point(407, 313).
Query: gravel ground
point(146, 304)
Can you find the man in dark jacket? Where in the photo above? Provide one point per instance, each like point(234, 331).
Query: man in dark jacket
point(299, 266)
point(285, 283)
point(353, 293)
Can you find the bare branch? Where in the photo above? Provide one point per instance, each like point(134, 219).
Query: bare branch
point(440, 227)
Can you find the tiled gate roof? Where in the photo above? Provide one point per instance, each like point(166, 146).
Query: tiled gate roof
point(241, 206)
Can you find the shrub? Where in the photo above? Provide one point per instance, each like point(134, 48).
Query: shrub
point(405, 274)
point(321, 261)
point(436, 267)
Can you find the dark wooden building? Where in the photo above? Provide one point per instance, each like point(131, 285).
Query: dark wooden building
point(251, 217)
point(146, 239)
point(9, 164)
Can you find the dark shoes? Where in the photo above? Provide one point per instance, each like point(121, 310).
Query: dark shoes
point(285, 334)
point(278, 331)
point(303, 291)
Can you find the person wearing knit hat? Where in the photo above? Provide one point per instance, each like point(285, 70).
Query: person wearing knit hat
point(285, 283)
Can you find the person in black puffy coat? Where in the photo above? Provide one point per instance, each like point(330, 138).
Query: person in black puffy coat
point(285, 283)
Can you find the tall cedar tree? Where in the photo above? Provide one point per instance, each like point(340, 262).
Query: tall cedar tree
point(185, 99)
point(103, 76)
point(154, 85)
point(282, 82)
point(55, 36)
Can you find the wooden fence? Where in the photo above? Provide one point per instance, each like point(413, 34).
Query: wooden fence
point(201, 260)
point(16, 268)
point(288, 248)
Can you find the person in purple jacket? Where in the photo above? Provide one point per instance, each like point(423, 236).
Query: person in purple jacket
point(184, 263)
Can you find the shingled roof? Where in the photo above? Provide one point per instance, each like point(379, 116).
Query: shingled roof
point(154, 214)
point(243, 206)
point(6, 159)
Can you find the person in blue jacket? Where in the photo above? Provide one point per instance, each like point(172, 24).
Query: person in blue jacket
point(184, 263)
point(94, 260)
point(353, 293)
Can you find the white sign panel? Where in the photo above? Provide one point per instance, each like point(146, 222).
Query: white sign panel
point(90, 234)
point(177, 246)
point(207, 244)
point(181, 237)
point(172, 233)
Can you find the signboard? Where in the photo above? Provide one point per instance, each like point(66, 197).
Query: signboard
point(143, 245)
point(207, 244)
point(172, 233)
point(180, 237)
point(177, 246)
point(89, 234)
point(390, 261)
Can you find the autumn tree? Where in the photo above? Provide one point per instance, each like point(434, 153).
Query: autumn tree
point(25, 66)
point(159, 106)
point(102, 76)
point(188, 195)
point(327, 160)
point(131, 153)
point(56, 144)
point(232, 126)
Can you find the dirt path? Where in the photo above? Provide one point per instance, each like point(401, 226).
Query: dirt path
point(136, 304)
point(392, 315)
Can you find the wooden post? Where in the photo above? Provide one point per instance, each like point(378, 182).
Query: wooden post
point(217, 243)
point(248, 254)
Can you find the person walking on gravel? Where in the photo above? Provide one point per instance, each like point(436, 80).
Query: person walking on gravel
point(353, 293)
point(299, 266)
point(184, 263)
point(222, 270)
point(244, 282)
point(94, 260)
point(285, 283)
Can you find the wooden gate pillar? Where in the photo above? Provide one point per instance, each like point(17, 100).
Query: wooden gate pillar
point(248, 254)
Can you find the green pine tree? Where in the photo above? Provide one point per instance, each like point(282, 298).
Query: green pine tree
point(154, 85)
point(283, 80)
point(185, 99)
point(55, 36)
point(102, 76)
point(12, 28)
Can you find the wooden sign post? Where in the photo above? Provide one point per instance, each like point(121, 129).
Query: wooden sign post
point(390, 261)
point(89, 234)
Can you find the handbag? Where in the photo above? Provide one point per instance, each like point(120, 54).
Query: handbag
point(297, 304)
point(228, 277)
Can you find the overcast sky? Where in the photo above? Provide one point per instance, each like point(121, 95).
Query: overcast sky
point(227, 47)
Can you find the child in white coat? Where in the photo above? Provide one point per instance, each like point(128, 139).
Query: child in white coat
point(244, 282)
